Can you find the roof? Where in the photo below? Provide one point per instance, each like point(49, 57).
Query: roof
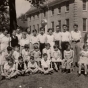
point(48, 3)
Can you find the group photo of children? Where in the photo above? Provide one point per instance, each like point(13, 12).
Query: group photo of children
point(26, 53)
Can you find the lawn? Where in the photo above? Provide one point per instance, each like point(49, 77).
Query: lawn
point(56, 80)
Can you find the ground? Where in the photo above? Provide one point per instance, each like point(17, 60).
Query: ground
point(56, 80)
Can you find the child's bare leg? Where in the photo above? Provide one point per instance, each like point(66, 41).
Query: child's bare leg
point(85, 69)
point(80, 68)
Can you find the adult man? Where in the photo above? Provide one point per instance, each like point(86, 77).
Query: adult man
point(65, 38)
point(76, 39)
point(57, 35)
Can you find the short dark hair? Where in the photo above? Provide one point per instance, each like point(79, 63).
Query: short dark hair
point(47, 44)
point(32, 58)
point(9, 48)
point(34, 30)
point(84, 46)
point(45, 54)
point(20, 58)
point(17, 45)
point(42, 28)
point(55, 46)
point(50, 29)
point(26, 46)
point(65, 25)
point(75, 25)
point(57, 26)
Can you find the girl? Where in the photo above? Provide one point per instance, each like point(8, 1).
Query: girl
point(56, 58)
point(50, 38)
point(68, 59)
point(83, 59)
point(47, 50)
point(26, 55)
point(32, 66)
point(45, 63)
point(37, 55)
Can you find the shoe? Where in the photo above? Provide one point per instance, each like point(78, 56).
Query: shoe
point(79, 74)
point(68, 71)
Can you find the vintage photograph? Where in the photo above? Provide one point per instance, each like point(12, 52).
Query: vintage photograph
point(43, 43)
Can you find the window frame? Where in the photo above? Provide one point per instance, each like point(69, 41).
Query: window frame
point(83, 5)
point(67, 4)
point(83, 25)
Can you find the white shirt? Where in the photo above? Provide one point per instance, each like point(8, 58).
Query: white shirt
point(24, 41)
point(42, 38)
point(65, 36)
point(34, 39)
point(50, 38)
point(30, 65)
point(57, 36)
point(76, 35)
point(45, 64)
point(19, 36)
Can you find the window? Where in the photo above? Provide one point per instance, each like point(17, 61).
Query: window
point(33, 16)
point(84, 24)
point(67, 23)
point(59, 9)
point(52, 11)
point(30, 18)
point(59, 23)
point(84, 4)
point(44, 13)
point(67, 6)
point(30, 27)
point(38, 28)
point(33, 27)
point(52, 25)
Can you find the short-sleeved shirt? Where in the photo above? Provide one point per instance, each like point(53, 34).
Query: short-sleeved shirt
point(32, 65)
point(9, 68)
point(57, 36)
point(34, 39)
point(65, 36)
point(42, 38)
point(44, 63)
point(76, 35)
point(24, 41)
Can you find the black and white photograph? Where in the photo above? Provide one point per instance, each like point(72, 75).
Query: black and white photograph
point(43, 43)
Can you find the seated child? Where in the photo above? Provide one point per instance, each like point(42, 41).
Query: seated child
point(32, 66)
point(20, 66)
point(37, 55)
point(45, 63)
point(68, 59)
point(5, 54)
point(26, 55)
point(16, 53)
point(47, 50)
point(9, 69)
point(83, 59)
point(56, 58)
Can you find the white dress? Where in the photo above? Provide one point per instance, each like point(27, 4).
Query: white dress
point(84, 57)
point(50, 40)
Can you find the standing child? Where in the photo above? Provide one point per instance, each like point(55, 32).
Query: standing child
point(37, 55)
point(83, 59)
point(68, 59)
point(56, 58)
point(26, 55)
point(47, 50)
point(32, 66)
point(16, 53)
point(45, 63)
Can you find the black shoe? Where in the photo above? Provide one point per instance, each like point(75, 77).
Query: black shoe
point(79, 74)
point(68, 71)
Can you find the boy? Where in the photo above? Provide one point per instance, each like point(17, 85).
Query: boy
point(45, 63)
point(32, 66)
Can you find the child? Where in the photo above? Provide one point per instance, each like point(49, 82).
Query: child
point(47, 50)
point(56, 58)
point(37, 55)
point(83, 59)
point(45, 63)
point(20, 66)
point(26, 54)
point(9, 69)
point(32, 66)
point(68, 59)
point(16, 53)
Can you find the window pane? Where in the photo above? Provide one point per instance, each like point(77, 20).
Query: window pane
point(38, 27)
point(52, 23)
point(33, 27)
point(59, 23)
point(84, 4)
point(67, 23)
point(52, 11)
point(67, 6)
point(84, 24)
point(59, 9)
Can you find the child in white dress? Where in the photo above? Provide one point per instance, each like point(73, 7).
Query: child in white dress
point(68, 59)
point(83, 59)
point(56, 58)
point(47, 50)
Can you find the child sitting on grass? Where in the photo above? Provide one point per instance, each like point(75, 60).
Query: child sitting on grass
point(20, 66)
point(68, 59)
point(9, 69)
point(32, 66)
point(45, 63)
point(56, 58)
point(83, 61)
